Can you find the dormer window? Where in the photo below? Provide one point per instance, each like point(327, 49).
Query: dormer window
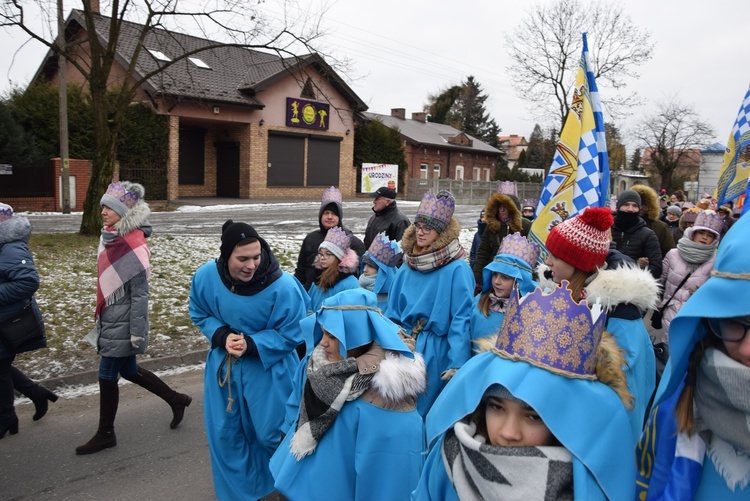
point(199, 63)
point(158, 55)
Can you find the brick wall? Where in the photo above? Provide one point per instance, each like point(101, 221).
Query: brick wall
point(80, 169)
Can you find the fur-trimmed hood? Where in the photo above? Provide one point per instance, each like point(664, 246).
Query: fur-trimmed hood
point(15, 228)
point(490, 213)
point(451, 233)
point(349, 264)
point(649, 200)
point(623, 285)
point(136, 218)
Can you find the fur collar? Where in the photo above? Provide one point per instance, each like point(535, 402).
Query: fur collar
point(451, 233)
point(649, 200)
point(622, 285)
point(400, 378)
point(349, 264)
point(136, 218)
point(490, 213)
point(15, 228)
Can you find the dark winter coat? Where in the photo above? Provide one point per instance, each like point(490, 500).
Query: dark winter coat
point(481, 226)
point(19, 279)
point(650, 202)
point(497, 230)
point(305, 270)
point(638, 241)
point(390, 221)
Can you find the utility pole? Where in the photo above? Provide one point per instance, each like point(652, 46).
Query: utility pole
point(62, 79)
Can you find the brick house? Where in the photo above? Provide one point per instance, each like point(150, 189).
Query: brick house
point(439, 151)
point(243, 123)
point(513, 146)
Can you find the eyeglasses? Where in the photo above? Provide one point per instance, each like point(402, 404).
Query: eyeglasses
point(422, 228)
point(324, 255)
point(728, 329)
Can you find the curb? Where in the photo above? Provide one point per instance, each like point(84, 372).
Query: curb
point(152, 364)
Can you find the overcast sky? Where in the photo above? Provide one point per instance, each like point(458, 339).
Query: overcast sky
point(403, 50)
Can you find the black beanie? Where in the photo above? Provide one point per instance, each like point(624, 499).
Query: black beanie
point(233, 233)
point(628, 196)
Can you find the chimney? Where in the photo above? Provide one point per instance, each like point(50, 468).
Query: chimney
point(398, 113)
point(419, 117)
point(95, 6)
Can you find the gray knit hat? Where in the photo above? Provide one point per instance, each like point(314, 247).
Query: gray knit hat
point(628, 196)
point(674, 209)
point(122, 196)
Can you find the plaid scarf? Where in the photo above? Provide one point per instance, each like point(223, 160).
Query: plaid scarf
point(482, 471)
point(121, 257)
point(433, 260)
point(329, 385)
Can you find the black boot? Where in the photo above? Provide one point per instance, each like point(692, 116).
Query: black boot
point(37, 393)
point(109, 397)
point(177, 401)
point(8, 419)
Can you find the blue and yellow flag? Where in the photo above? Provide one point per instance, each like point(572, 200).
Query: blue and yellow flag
point(579, 175)
point(735, 170)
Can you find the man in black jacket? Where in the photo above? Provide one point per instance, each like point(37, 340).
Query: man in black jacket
point(632, 237)
point(387, 218)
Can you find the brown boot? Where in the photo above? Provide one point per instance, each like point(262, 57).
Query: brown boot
point(109, 397)
point(177, 401)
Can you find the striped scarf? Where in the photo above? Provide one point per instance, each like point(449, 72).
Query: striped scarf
point(433, 260)
point(120, 258)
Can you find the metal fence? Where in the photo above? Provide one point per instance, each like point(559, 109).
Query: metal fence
point(27, 182)
point(152, 177)
point(468, 192)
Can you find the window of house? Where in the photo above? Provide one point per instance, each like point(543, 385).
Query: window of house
point(459, 172)
point(308, 91)
point(476, 173)
point(423, 171)
point(158, 55)
point(199, 63)
point(303, 160)
point(487, 173)
point(437, 171)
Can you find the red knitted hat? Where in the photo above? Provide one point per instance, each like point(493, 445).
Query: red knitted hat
point(583, 241)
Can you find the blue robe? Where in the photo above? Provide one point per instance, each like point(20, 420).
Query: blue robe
point(317, 295)
point(242, 441)
point(443, 298)
point(368, 453)
point(481, 326)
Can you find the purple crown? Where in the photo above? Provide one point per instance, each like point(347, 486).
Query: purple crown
point(530, 202)
point(436, 210)
point(6, 212)
point(383, 250)
point(118, 191)
point(507, 188)
point(331, 195)
point(336, 236)
point(553, 332)
point(709, 221)
point(519, 246)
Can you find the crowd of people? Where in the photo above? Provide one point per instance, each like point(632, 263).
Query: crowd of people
point(394, 369)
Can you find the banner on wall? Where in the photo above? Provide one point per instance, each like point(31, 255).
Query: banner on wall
point(375, 176)
point(306, 114)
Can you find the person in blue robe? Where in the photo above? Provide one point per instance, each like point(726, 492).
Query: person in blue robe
point(353, 431)
point(336, 267)
point(512, 267)
point(541, 414)
point(432, 293)
point(250, 311)
point(379, 266)
point(696, 443)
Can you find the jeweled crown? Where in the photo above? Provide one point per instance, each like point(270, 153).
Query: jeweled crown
point(383, 250)
point(437, 210)
point(6, 212)
point(520, 247)
point(508, 188)
point(710, 221)
point(339, 238)
point(530, 202)
point(118, 191)
point(331, 194)
point(553, 332)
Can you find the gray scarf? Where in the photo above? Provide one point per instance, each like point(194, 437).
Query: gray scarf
point(329, 385)
point(693, 253)
point(481, 471)
point(722, 401)
point(367, 282)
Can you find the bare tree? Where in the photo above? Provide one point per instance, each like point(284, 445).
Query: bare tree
point(672, 135)
point(232, 23)
point(546, 50)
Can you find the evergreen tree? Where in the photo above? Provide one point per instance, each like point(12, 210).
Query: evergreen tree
point(502, 172)
point(635, 162)
point(615, 148)
point(441, 108)
point(17, 147)
point(375, 142)
point(535, 153)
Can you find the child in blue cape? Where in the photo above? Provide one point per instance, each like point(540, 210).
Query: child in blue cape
point(353, 431)
point(696, 444)
point(542, 415)
point(512, 267)
point(379, 266)
point(336, 267)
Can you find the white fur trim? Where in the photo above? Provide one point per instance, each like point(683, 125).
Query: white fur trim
point(400, 377)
